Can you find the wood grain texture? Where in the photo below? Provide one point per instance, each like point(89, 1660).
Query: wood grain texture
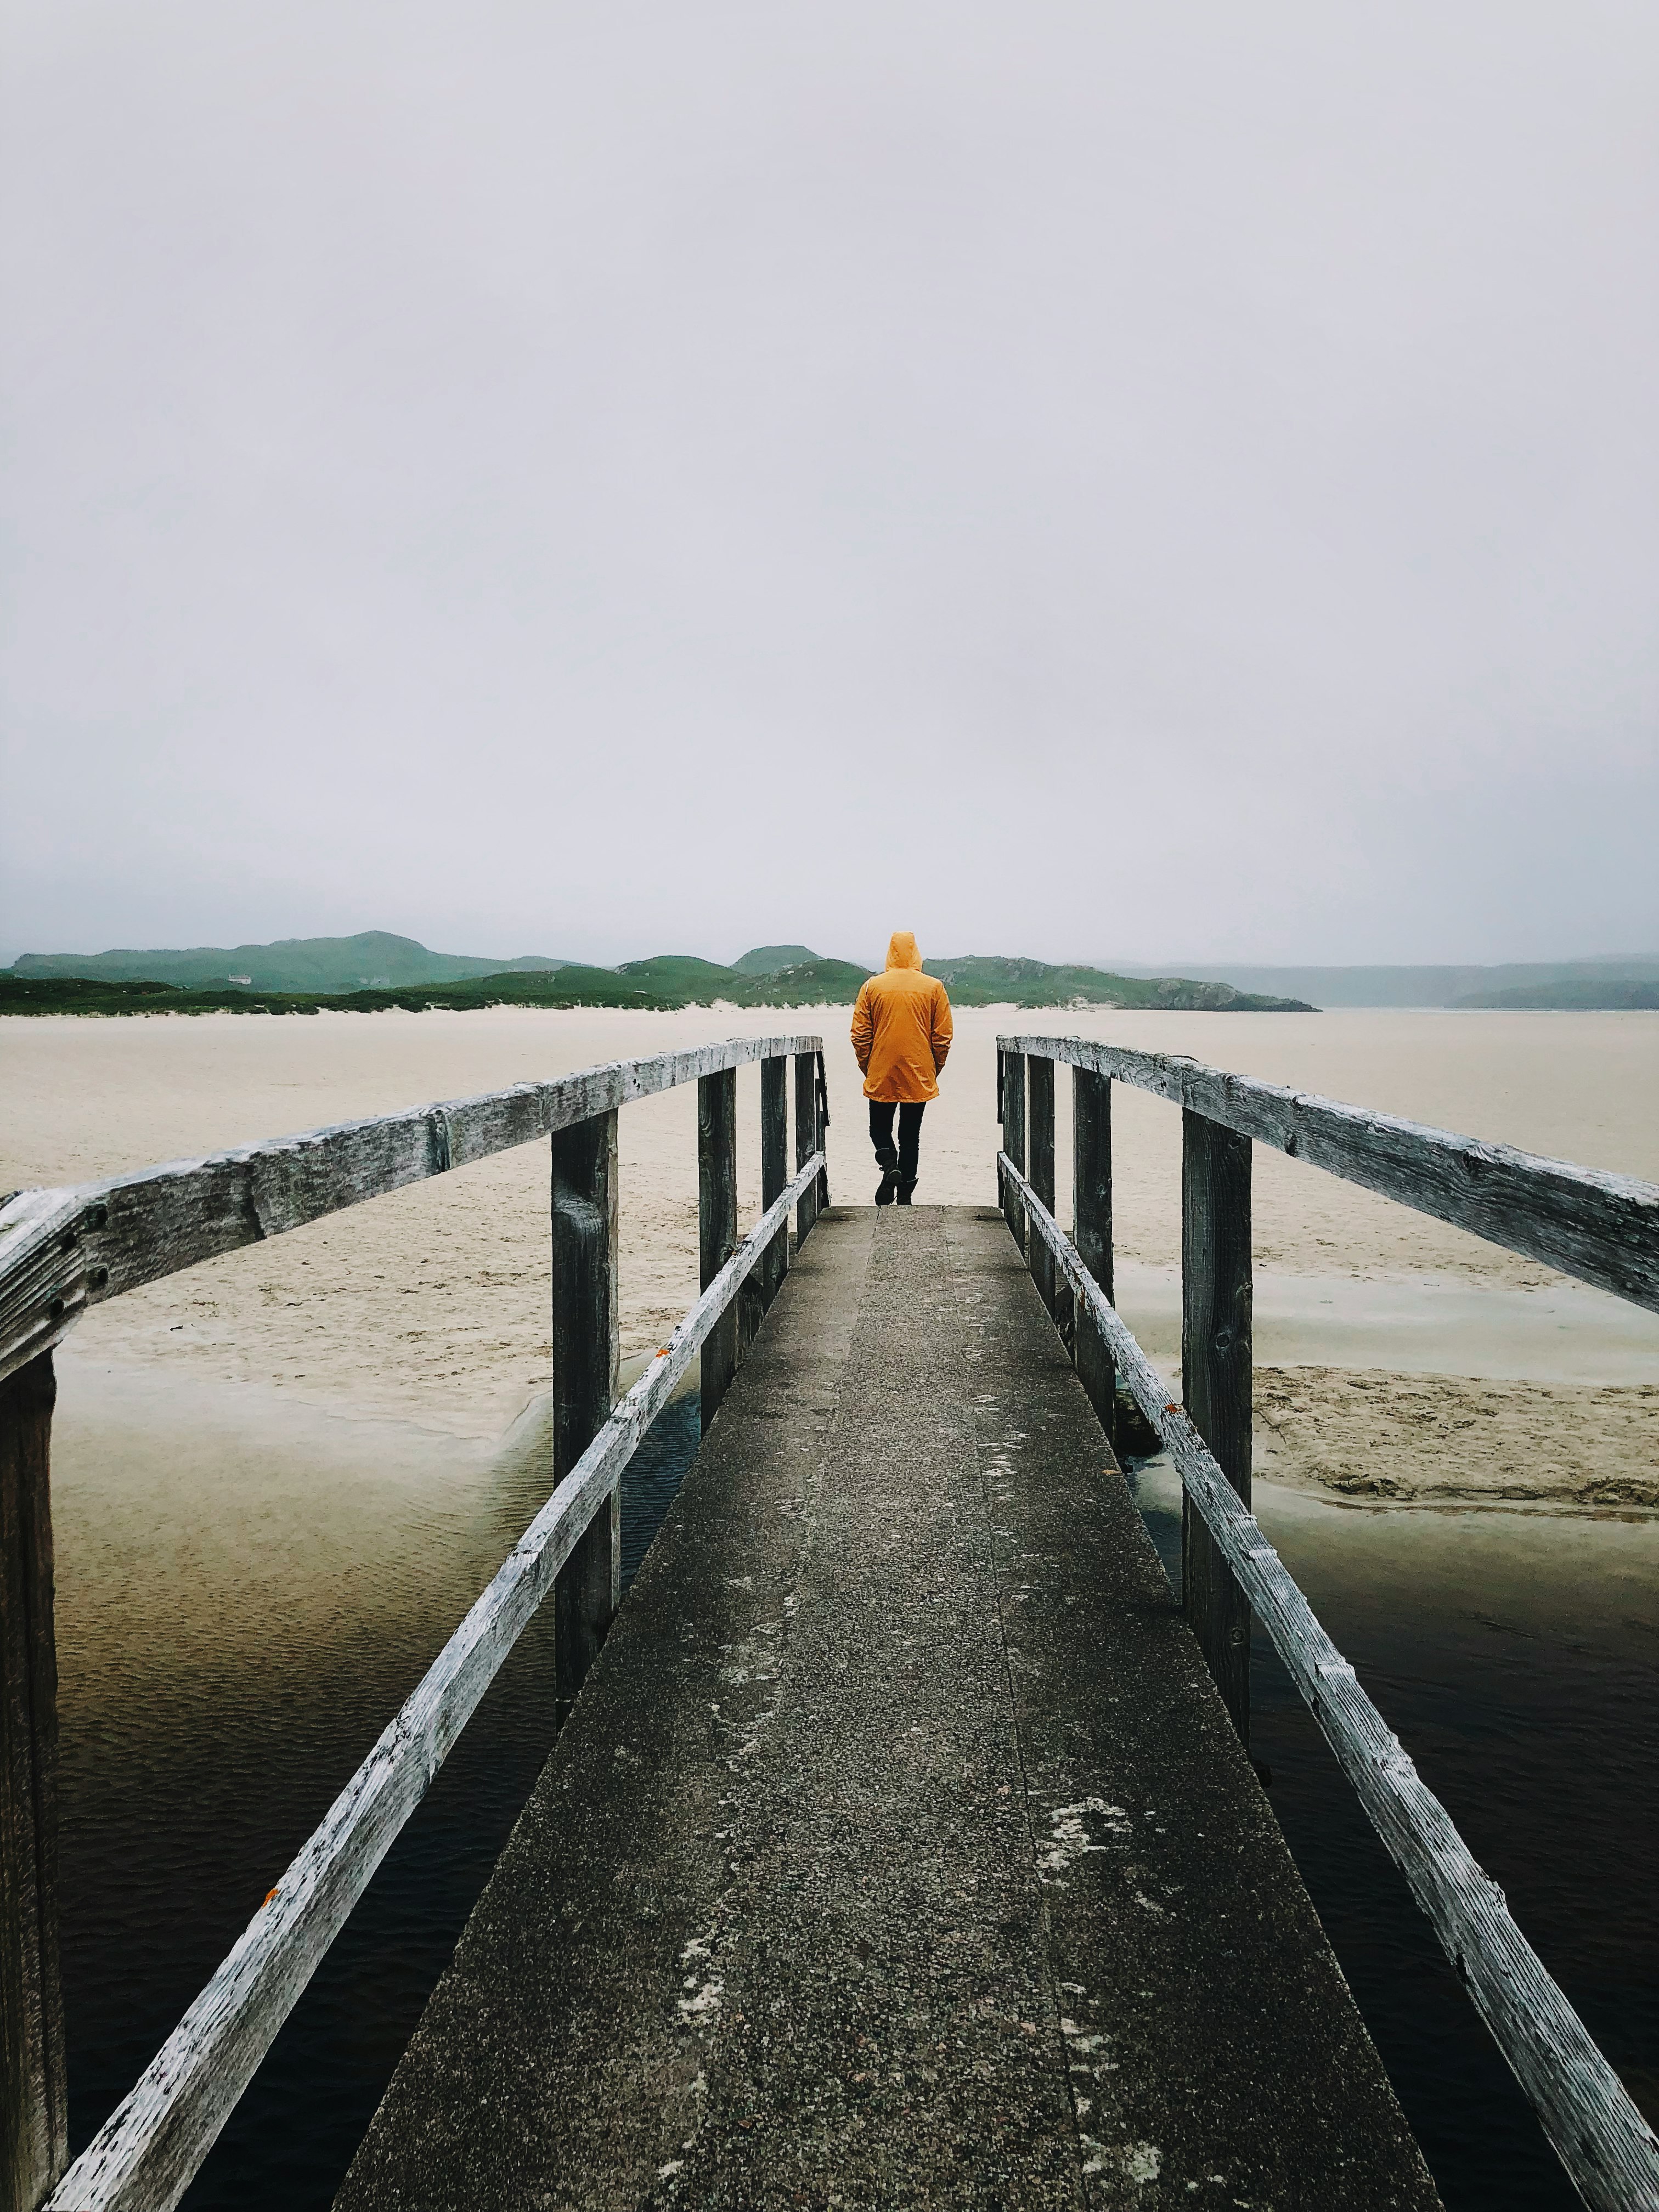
point(1014, 1135)
point(774, 1167)
point(33, 2082)
point(586, 1345)
point(717, 1225)
point(1601, 1228)
point(1092, 1202)
point(807, 1139)
point(1216, 1385)
point(61, 1250)
point(1040, 1141)
point(143, 2157)
point(1608, 2149)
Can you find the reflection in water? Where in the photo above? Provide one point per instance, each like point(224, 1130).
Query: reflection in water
point(248, 1588)
point(243, 1604)
point(1517, 1656)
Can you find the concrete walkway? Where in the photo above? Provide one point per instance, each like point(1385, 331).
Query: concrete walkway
point(898, 1851)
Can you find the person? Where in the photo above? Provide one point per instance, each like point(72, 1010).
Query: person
point(900, 1034)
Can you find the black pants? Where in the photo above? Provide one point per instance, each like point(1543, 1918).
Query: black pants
point(882, 1111)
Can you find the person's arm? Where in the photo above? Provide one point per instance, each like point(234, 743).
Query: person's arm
point(864, 1029)
point(943, 1028)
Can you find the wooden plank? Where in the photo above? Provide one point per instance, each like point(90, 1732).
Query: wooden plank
point(1014, 1136)
point(1092, 1202)
point(823, 1130)
point(586, 1345)
point(1603, 1229)
point(807, 1136)
point(130, 1230)
point(717, 1222)
point(1216, 1384)
point(33, 2082)
point(774, 1166)
point(144, 2156)
point(1608, 2149)
point(1040, 1138)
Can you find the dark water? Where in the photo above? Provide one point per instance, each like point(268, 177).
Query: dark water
point(209, 1716)
point(1517, 1656)
point(180, 1809)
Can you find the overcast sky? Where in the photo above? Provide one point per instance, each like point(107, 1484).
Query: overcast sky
point(1091, 481)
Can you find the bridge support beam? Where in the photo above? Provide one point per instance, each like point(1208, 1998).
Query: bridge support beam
point(33, 2082)
point(717, 1225)
point(1011, 1090)
point(1091, 1215)
point(775, 1168)
point(806, 1138)
point(1217, 1386)
point(585, 1347)
point(1040, 1090)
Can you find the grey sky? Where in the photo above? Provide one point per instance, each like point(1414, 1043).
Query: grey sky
point(1095, 481)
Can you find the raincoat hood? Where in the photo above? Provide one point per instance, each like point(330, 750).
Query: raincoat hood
point(901, 950)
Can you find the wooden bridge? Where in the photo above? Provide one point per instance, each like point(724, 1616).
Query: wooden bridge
point(900, 1844)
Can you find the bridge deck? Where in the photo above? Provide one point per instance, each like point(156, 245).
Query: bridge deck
point(899, 1850)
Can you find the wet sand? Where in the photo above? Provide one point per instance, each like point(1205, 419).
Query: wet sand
point(430, 1306)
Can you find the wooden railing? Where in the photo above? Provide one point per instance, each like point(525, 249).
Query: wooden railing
point(1603, 1229)
point(63, 1250)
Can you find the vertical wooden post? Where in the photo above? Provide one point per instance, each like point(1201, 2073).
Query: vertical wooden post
point(1216, 1384)
point(586, 1342)
point(774, 1168)
point(806, 1138)
point(1013, 1135)
point(717, 1223)
point(1040, 1077)
point(34, 2084)
point(1091, 1232)
point(824, 1130)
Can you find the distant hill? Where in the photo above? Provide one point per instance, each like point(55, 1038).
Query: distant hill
point(373, 959)
point(767, 959)
point(375, 970)
point(1577, 996)
point(1425, 985)
point(983, 981)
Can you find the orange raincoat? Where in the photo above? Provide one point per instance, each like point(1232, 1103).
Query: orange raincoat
point(902, 1027)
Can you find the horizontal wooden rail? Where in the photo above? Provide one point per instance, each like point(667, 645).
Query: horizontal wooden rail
point(1606, 2146)
point(1602, 1228)
point(63, 1250)
point(144, 2156)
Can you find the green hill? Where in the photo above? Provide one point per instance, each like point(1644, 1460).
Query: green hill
point(982, 980)
point(767, 959)
point(372, 960)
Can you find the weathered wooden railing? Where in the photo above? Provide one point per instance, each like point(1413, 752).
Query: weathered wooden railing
point(63, 1250)
point(1603, 1229)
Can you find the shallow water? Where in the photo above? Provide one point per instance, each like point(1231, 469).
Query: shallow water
point(248, 1588)
point(1517, 1656)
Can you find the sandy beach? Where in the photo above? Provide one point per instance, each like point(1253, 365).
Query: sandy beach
point(429, 1306)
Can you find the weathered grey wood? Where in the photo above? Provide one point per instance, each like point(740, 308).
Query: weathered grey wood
point(586, 1345)
point(774, 1166)
point(33, 2082)
point(61, 1250)
point(1014, 1136)
point(1092, 1203)
point(143, 2157)
point(807, 1136)
point(823, 1130)
point(1601, 1228)
point(1040, 1138)
point(1216, 1382)
point(1608, 2149)
point(717, 1223)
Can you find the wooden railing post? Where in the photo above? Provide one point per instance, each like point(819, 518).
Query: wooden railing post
point(1091, 1232)
point(774, 1167)
point(806, 1137)
point(1216, 1384)
point(1040, 1079)
point(717, 1223)
point(586, 1343)
point(1014, 1136)
point(34, 2091)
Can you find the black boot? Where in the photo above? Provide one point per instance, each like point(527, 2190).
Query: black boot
point(904, 1191)
point(887, 1160)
